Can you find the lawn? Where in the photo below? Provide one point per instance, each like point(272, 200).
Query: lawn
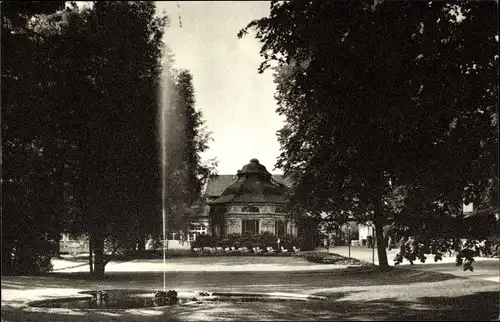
point(363, 293)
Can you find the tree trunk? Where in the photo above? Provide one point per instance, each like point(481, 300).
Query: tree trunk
point(99, 261)
point(91, 253)
point(57, 239)
point(141, 244)
point(7, 249)
point(379, 234)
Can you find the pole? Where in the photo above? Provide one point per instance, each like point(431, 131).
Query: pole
point(373, 248)
point(163, 247)
point(349, 240)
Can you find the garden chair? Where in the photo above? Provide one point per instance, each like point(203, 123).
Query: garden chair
point(234, 249)
point(257, 250)
point(283, 249)
point(220, 249)
point(270, 250)
point(244, 249)
point(295, 249)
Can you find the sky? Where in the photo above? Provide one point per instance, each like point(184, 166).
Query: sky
point(236, 101)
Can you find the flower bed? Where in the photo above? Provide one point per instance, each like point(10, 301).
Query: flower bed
point(330, 258)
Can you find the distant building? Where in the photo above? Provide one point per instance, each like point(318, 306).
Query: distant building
point(482, 221)
point(251, 202)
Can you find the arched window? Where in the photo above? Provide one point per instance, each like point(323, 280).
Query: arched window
point(250, 209)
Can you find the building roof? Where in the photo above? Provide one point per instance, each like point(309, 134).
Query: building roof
point(252, 184)
point(217, 184)
point(254, 167)
point(252, 190)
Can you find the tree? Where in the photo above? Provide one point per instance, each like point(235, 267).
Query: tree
point(186, 138)
point(111, 53)
point(33, 181)
point(84, 115)
point(120, 146)
point(373, 94)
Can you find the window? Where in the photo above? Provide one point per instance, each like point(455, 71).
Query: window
point(250, 227)
point(279, 228)
point(250, 209)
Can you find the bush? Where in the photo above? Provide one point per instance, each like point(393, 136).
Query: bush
point(28, 257)
point(204, 240)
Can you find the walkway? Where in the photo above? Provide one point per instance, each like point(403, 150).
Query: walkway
point(205, 264)
point(484, 268)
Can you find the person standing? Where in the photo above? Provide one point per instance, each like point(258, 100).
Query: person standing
point(389, 243)
point(411, 244)
point(402, 243)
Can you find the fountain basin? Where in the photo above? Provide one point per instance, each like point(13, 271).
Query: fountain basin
point(120, 299)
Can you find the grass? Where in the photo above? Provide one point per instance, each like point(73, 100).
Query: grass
point(367, 293)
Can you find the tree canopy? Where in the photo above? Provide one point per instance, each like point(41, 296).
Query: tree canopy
point(186, 138)
point(33, 187)
point(384, 95)
point(81, 136)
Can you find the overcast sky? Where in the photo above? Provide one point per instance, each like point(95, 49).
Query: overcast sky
point(237, 102)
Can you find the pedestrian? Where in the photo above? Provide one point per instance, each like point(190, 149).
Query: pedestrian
point(389, 243)
point(410, 244)
point(369, 241)
point(402, 243)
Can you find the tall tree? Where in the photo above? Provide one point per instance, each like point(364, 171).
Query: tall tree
point(120, 149)
point(372, 93)
point(32, 180)
point(187, 138)
point(82, 112)
point(111, 54)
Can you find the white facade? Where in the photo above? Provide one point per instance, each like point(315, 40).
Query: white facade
point(267, 223)
point(365, 230)
point(468, 208)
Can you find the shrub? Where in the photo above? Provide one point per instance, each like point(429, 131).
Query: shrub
point(204, 240)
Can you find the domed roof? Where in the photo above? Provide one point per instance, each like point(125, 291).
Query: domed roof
point(253, 167)
point(254, 185)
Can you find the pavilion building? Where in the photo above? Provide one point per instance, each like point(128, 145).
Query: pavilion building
point(251, 202)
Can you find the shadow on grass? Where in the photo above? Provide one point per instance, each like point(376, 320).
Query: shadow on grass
point(478, 306)
point(370, 276)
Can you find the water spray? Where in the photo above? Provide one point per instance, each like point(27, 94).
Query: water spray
point(163, 161)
